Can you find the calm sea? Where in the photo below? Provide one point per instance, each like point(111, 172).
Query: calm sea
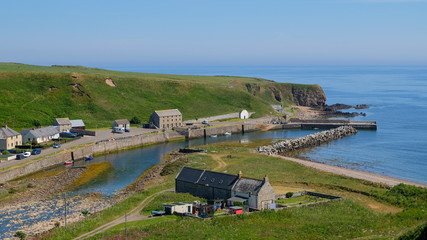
point(398, 100)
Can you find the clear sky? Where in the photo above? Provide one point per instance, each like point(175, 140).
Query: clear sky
point(214, 32)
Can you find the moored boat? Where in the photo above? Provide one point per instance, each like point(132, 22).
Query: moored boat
point(213, 136)
point(227, 133)
point(87, 158)
point(69, 162)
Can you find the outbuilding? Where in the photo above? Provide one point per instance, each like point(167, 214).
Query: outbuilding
point(179, 208)
point(78, 124)
point(121, 123)
point(244, 114)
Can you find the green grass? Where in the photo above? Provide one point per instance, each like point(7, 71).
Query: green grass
point(371, 211)
point(27, 94)
point(300, 200)
point(168, 197)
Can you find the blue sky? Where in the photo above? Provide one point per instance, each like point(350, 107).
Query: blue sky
point(217, 33)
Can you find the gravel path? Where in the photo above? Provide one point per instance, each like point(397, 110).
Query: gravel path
point(133, 215)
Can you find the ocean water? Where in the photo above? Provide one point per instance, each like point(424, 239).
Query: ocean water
point(397, 97)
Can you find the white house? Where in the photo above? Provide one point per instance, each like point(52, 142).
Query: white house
point(40, 135)
point(121, 123)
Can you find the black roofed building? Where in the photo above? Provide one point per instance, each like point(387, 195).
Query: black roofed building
point(226, 188)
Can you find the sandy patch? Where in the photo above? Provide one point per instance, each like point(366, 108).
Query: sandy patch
point(110, 82)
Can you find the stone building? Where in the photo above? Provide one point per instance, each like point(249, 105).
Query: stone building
point(64, 124)
point(226, 188)
point(9, 138)
point(166, 118)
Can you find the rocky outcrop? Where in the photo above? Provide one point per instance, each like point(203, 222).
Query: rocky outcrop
point(309, 96)
point(307, 141)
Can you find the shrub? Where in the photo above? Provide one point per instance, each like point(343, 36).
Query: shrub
point(238, 204)
point(11, 190)
point(135, 120)
point(57, 224)
point(85, 212)
point(6, 152)
point(20, 235)
point(289, 194)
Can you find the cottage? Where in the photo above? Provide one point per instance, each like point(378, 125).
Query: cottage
point(64, 124)
point(226, 188)
point(78, 124)
point(166, 118)
point(9, 138)
point(40, 135)
point(121, 123)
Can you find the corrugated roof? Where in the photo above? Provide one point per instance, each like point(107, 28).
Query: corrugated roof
point(245, 185)
point(122, 121)
point(63, 121)
point(169, 112)
point(77, 123)
point(189, 174)
point(6, 132)
point(40, 132)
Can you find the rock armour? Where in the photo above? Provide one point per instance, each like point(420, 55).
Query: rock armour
point(308, 141)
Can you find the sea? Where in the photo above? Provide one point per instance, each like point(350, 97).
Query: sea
point(397, 96)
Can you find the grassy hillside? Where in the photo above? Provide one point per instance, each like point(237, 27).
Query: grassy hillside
point(29, 93)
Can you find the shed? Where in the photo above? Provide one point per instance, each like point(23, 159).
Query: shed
point(78, 124)
point(121, 123)
point(180, 208)
point(244, 114)
point(236, 210)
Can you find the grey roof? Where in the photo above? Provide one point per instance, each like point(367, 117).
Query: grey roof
point(63, 121)
point(245, 185)
point(122, 121)
point(169, 112)
point(6, 132)
point(40, 132)
point(218, 180)
point(203, 177)
point(189, 174)
point(77, 123)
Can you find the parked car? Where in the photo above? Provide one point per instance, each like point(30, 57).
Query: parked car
point(56, 145)
point(205, 122)
point(20, 156)
point(127, 130)
point(117, 130)
point(68, 135)
point(27, 154)
point(36, 151)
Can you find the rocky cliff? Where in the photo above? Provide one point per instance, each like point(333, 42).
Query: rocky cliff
point(310, 97)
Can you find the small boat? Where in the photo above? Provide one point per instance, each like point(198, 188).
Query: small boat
point(213, 136)
point(227, 133)
point(87, 158)
point(69, 162)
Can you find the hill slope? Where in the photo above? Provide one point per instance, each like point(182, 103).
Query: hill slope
point(98, 96)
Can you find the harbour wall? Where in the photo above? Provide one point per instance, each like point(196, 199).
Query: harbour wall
point(100, 147)
point(206, 132)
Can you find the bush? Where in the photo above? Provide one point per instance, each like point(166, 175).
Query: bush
point(6, 152)
point(85, 212)
point(11, 190)
point(20, 235)
point(135, 120)
point(238, 204)
point(289, 194)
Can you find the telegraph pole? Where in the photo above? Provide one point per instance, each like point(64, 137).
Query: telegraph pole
point(126, 229)
point(65, 205)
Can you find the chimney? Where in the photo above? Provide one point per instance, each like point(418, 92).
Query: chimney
point(265, 179)
point(240, 174)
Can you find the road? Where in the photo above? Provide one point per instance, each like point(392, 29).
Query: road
point(100, 135)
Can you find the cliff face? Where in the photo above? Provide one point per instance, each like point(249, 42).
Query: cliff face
point(310, 97)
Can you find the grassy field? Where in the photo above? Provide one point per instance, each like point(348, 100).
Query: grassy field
point(30, 93)
point(369, 211)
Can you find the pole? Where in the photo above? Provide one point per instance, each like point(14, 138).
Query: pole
point(65, 205)
point(126, 229)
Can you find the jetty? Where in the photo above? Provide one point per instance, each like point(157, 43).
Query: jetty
point(328, 124)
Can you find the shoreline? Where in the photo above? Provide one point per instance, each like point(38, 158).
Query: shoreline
point(348, 172)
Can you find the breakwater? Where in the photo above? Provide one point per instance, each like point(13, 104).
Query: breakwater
point(308, 141)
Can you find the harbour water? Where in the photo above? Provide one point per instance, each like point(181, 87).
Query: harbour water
point(398, 102)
